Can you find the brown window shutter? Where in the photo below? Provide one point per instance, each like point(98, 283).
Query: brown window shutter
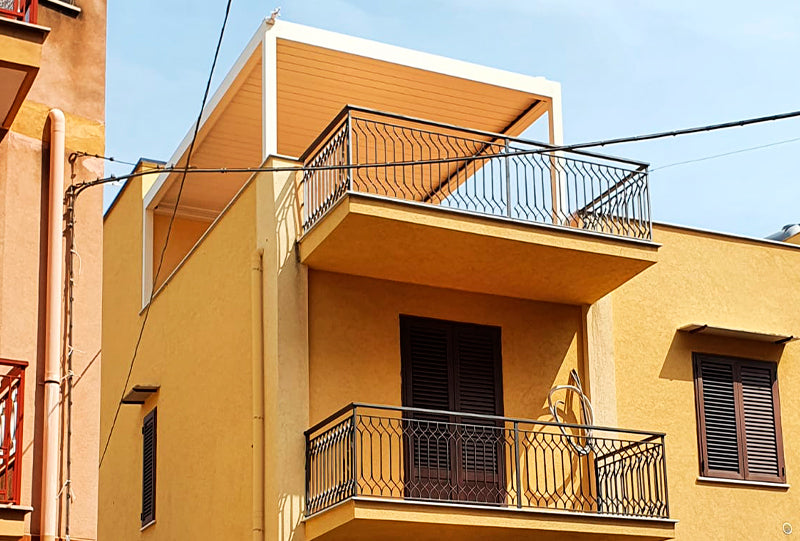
point(758, 407)
point(738, 419)
point(427, 384)
point(149, 468)
point(449, 366)
point(719, 429)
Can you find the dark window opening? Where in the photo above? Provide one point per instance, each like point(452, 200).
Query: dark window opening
point(149, 469)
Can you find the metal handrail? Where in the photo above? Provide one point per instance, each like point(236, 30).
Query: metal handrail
point(439, 456)
point(325, 133)
point(12, 406)
point(472, 171)
point(449, 413)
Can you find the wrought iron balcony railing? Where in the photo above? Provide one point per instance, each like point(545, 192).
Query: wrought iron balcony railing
point(21, 10)
point(368, 451)
point(423, 162)
point(12, 400)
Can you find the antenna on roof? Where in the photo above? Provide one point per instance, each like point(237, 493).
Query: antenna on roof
point(273, 16)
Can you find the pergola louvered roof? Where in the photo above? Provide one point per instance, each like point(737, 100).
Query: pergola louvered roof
point(292, 80)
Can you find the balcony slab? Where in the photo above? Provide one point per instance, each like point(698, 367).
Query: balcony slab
point(364, 519)
point(416, 243)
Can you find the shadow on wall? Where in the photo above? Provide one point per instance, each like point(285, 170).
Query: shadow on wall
point(290, 517)
point(287, 217)
point(678, 362)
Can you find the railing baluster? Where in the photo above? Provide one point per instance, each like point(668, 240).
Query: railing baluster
point(620, 473)
point(517, 465)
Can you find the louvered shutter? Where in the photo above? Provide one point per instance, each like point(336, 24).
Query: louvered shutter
point(149, 468)
point(718, 407)
point(761, 442)
point(477, 391)
point(428, 385)
point(738, 419)
point(455, 367)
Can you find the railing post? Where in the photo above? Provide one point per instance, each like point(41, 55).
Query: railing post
point(350, 157)
point(508, 180)
point(308, 474)
point(664, 467)
point(517, 464)
point(353, 423)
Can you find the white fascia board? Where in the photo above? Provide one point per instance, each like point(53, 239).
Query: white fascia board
point(413, 59)
point(153, 196)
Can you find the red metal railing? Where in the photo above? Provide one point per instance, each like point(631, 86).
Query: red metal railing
point(12, 400)
point(21, 10)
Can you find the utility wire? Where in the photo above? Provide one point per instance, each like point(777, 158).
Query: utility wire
point(685, 131)
point(731, 153)
point(169, 229)
point(81, 154)
point(545, 150)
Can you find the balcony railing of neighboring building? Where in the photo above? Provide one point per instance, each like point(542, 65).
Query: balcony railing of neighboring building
point(423, 162)
point(12, 400)
point(20, 10)
point(391, 453)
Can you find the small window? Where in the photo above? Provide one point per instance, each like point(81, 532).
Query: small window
point(149, 469)
point(738, 419)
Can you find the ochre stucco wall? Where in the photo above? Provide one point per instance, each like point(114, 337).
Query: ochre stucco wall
point(197, 347)
point(184, 235)
point(354, 341)
point(722, 281)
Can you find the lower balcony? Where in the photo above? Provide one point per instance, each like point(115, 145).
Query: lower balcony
point(399, 473)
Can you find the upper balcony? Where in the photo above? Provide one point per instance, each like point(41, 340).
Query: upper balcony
point(400, 198)
point(20, 55)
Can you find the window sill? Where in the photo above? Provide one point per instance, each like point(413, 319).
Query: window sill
point(143, 528)
point(64, 7)
point(25, 27)
point(743, 482)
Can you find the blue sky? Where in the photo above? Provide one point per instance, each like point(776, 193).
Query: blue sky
point(626, 67)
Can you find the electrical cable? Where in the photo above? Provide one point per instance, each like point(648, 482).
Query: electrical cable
point(80, 153)
point(169, 229)
point(731, 153)
point(77, 188)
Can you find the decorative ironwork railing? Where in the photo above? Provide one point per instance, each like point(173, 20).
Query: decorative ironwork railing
point(368, 451)
point(424, 162)
point(12, 401)
point(21, 10)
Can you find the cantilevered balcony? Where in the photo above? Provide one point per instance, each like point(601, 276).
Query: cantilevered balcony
point(20, 55)
point(530, 478)
point(473, 210)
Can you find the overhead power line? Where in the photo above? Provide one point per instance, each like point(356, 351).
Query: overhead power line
point(544, 150)
point(731, 153)
point(685, 131)
point(169, 230)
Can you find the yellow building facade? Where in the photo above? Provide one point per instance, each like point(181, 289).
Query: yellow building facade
point(370, 336)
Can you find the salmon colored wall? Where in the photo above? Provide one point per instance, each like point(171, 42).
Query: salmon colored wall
point(71, 77)
point(197, 347)
point(354, 341)
point(722, 281)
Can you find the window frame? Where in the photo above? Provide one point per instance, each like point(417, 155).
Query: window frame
point(744, 472)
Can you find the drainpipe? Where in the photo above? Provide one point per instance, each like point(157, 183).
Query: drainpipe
point(52, 371)
point(257, 331)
